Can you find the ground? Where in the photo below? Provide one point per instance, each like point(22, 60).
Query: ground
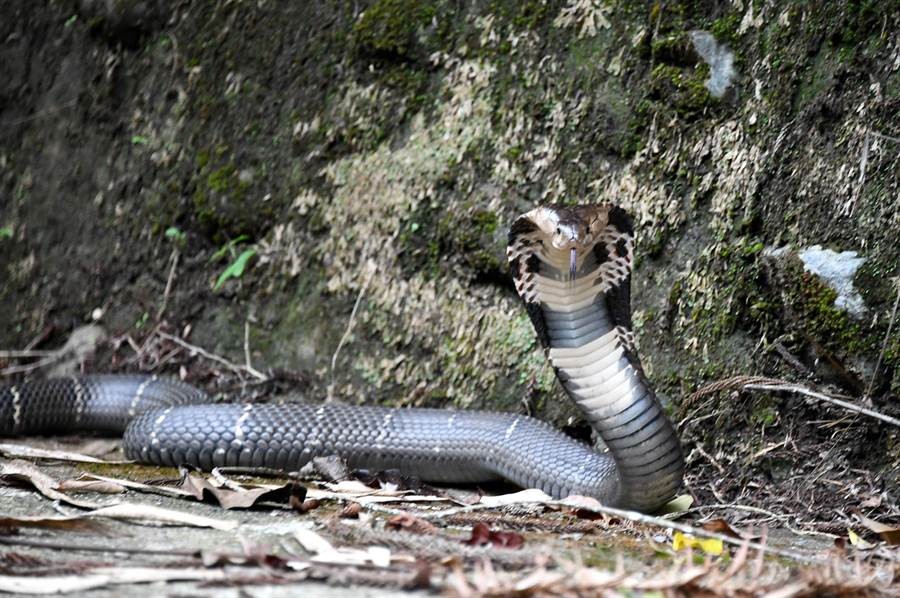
point(319, 194)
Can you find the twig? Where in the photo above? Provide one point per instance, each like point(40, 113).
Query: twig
point(256, 373)
point(28, 367)
point(169, 282)
point(636, 517)
point(884, 344)
point(211, 356)
point(815, 395)
point(25, 353)
point(91, 548)
point(350, 323)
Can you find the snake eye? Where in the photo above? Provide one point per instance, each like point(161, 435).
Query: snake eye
point(558, 231)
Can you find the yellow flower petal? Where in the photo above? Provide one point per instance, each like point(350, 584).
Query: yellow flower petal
point(712, 546)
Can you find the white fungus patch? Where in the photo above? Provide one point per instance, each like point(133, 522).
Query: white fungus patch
point(720, 60)
point(837, 270)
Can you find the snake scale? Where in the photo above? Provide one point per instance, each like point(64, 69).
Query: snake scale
point(572, 268)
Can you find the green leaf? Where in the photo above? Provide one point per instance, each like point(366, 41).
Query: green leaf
point(6, 232)
point(70, 21)
point(139, 140)
point(236, 269)
point(229, 246)
point(174, 233)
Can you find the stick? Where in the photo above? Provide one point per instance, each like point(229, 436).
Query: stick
point(90, 548)
point(804, 557)
point(211, 356)
point(815, 395)
point(350, 324)
point(256, 373)
point(169, 282)
point(887, 337)
point(23, 354)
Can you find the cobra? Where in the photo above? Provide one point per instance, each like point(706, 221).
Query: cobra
point(572, 268)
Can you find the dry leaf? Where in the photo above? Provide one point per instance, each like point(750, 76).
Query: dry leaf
point(102, 577)
point(200, 488)
point(304, 506)
point(482, 534)
point(351, 511)
point(160, 515)
point(532, 495)
point(22, 471)
point(76, 524)
point(29, 452)
point(720, 526)
point(139, 486)
point(101, 486)
point(411, 523)
point(679, 504)
point(324, 552)
point(888, 533)
point(858, 542)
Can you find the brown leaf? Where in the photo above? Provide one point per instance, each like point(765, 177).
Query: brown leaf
point(889, 534)
point(351, 511)
point(411, 523)
point(56, 523)
point(304, 506)
point(200, 488)
point(101, 486)
point(720, 526)
point(22, 471)
point(482, 534)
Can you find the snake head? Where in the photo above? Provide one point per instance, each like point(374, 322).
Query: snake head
point(573, 229)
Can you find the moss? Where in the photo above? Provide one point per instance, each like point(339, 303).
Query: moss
point(524, 14)
point(675, 49)
point(814, 301)
point(682, 89)
point(388, 27)
point(221, 202)
point(725, 28)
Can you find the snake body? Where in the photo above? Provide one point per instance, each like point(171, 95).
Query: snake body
point(571, 267)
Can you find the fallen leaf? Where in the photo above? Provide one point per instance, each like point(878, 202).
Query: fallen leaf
point(324, 552)
point(679, 504)
point(60, 523)
point(29, 452)
point(482, 534)
point(531, 495)
point(201, 488)
point(888, 533)
point(858, 542)
point(411, 523)
point(332, 468)
point(304, 506)
point(711, 546)
point(160, 515)
point(101, 486)
point(720, 526)
point(351, 511)
point(102, 577)
point(139, 486)
point(22, 471)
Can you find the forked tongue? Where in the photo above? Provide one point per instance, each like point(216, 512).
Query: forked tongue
point(573, 263)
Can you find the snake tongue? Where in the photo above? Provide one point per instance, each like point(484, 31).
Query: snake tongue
point(573, 263)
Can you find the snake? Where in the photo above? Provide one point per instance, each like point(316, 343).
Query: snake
point(571, 266)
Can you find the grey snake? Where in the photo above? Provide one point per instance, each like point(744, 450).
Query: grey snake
point(572, 268)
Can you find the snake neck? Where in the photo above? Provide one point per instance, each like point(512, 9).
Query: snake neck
point(584, 322)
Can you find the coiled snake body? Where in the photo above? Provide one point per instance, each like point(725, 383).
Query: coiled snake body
point(572, 268)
